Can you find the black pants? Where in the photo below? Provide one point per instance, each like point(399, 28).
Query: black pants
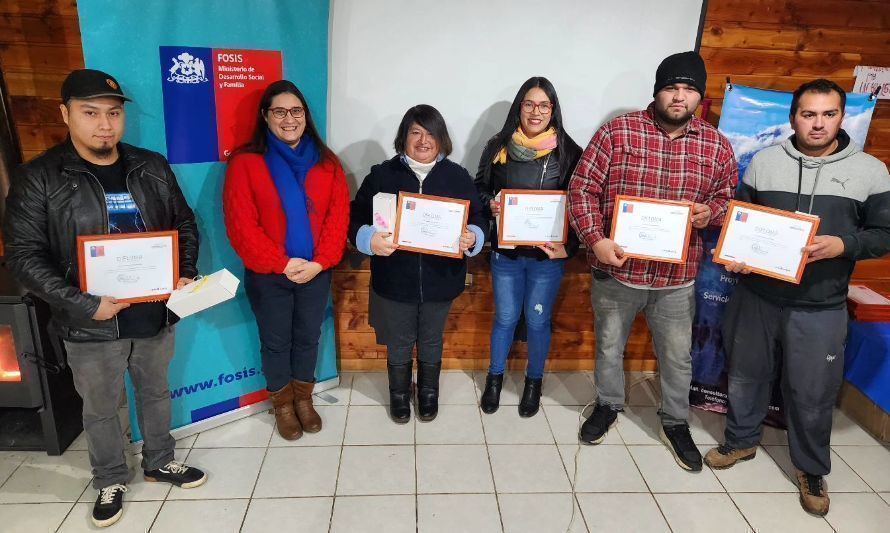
point(407, 324)
point(809, 345)
point(289, 317)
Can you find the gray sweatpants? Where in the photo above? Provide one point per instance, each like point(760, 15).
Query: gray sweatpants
point(669, 314)
point(98, 369)
point(807, 347)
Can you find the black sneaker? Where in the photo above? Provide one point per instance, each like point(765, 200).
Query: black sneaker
point(109, 506)
point(594, 429)
point(177, 473)
point(679, 442)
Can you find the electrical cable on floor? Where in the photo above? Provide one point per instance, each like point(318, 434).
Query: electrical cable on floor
point(578, 444)
point(578, 455)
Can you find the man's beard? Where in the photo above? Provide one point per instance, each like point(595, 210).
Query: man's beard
point(102, 153)
point(667, 119)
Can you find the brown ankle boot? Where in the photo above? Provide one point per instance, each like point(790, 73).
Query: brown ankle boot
point(303, 404)
point(813, 493)
point(286, 420)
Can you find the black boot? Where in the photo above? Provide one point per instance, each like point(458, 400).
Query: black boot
point(531, 397)
point(400, 391)
point(428, 390)
point(491, 397)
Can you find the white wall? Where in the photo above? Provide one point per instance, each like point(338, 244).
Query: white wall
point(468, 58)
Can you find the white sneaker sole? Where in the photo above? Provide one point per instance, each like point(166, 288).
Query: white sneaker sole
point(109, 521)
point(196, 483)
point(670, 448)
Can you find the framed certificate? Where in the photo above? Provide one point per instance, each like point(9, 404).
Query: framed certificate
point(132, 267)
point(532, 217)
point(430, 224)
point(769, 241)
point(657, 230)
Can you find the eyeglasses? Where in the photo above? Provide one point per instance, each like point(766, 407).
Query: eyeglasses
point(296, 112)
point(544, 107)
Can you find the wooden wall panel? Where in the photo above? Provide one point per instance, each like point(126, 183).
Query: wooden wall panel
point(779, 44)
point(874, 14)
point(40, 8)
point(39, 45)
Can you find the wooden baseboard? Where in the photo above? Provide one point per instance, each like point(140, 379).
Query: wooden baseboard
point(554, 365)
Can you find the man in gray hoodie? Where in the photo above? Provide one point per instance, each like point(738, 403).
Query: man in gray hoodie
point(771, 325)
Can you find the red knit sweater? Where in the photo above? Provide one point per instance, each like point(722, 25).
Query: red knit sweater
point(255, 219)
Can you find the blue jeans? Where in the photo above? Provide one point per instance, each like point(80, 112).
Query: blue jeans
point(523, 284)
point(289, 317)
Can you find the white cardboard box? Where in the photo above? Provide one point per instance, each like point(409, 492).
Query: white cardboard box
point(384, 207)
point(204, 293)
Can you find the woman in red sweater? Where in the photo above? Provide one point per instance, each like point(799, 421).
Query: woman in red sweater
point(286, 208)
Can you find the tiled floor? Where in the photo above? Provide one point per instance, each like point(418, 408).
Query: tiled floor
point(464, 472)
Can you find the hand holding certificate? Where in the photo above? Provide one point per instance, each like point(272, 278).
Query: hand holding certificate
point(768, 241)
point(431, 224)
point(131, 267)
point(532, 217)
point(657, 230)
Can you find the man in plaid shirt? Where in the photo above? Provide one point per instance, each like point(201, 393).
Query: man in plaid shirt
point(665, 153)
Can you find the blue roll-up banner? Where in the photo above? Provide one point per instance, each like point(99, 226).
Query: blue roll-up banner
point(752, 119)
point(195, 71)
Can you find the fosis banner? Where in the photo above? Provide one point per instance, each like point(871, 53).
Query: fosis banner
point(195, 71)
point(752, 119)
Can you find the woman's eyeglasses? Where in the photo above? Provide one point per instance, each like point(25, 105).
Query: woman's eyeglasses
point(544, 107)
point(296, 112)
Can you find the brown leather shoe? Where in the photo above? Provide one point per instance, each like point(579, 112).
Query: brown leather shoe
point(813, 493)
point(303, 404)
point(286, 420)
point(724, 456)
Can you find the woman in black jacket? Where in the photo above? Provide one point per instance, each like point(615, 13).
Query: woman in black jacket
point(413, 292)
point(532, 151)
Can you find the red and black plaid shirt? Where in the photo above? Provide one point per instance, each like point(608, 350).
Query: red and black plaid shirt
point(633, 155)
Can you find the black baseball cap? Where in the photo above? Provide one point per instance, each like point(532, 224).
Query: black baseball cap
point(88, 83)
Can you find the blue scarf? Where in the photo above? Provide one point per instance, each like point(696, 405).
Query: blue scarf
point(288, 167)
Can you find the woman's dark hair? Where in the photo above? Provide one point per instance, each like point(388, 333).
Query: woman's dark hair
point(429, 118)
point(258, 143)
point(821, 86)
point(563, 141)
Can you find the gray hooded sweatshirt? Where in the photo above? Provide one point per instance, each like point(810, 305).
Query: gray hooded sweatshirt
point(849, 190)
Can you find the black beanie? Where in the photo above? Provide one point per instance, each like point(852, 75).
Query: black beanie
point(685, 67)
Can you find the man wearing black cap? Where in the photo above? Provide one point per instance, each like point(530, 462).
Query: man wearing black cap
point(664, 153)
point(94, 184)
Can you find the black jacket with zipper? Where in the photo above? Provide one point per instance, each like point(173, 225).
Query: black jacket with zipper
point(544, 173)
point(413, 277)
point(54, 198)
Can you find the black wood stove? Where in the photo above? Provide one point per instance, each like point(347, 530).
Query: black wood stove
point(39, 408)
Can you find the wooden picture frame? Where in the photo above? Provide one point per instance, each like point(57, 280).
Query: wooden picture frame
point(530, 192)
point(403, 197)
point(626, 198)
point(83, 240)
point(771, 210)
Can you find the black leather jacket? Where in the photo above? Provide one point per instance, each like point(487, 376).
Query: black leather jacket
point(542, 174)
point(54, 198)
